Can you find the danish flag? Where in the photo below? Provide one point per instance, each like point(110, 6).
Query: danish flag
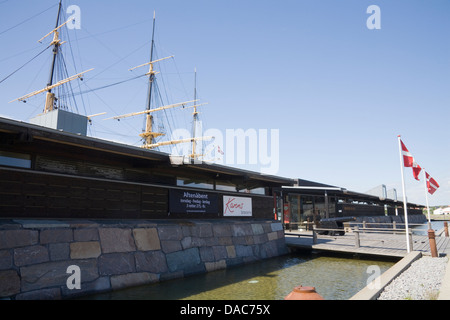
point(432, 185)
point(408, 161)
point(416, 170)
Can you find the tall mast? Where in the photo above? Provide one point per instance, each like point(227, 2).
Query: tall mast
point(50, 99)
point(195, 123)
point(152, 75)
point(56, 42)
point(148, 134)
point(55, 49)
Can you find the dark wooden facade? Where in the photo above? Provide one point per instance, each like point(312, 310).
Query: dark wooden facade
point(71, 176)
point(25, 193)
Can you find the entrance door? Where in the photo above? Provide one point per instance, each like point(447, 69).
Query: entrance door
point(278, 205)
point(307, 211)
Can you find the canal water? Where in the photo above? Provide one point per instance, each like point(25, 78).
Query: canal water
point(423, 229)
point(335, 278)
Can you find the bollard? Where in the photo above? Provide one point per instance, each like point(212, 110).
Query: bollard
point(314, 237)
point(356, 232)
point(431, 238)
point(410, 239)
point(446, 229)
point(304, 293)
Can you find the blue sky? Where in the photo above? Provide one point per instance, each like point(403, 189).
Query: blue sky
point(338, 93)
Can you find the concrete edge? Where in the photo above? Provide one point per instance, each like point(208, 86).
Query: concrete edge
point(371, 291)
point(444, 291)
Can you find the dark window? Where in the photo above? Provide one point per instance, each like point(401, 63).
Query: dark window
point(13, 159)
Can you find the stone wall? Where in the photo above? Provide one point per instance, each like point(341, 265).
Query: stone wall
point(35, 254)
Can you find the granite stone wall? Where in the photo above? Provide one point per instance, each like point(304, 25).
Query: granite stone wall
point(37, 256)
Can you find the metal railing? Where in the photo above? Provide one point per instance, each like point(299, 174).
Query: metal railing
point(367, 226)
point(364, 226)
point(356, 231)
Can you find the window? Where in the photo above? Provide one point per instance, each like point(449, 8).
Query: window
point(185, 182)
point(254, 191)
point(223, 187)
point(13, 159)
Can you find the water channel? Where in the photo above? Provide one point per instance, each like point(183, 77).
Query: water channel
point(335, 276)
point(423, 229)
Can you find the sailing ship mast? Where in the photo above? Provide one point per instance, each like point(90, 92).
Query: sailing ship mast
point(56, 42)
point(193, 154)
point(50, 97)
point(149, 136)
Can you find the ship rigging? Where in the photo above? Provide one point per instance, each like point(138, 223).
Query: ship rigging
point(51, 101)
point(60, 98)
point(149, 135)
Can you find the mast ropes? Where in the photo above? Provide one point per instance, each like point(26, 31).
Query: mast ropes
point(149, 135)
point(59, 95)
point(58, 69)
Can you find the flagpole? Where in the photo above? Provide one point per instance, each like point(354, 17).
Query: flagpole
point(405, 208)
point(426, 197)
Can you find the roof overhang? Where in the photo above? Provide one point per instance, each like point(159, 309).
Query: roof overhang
point(314, 188)
point(18, 132)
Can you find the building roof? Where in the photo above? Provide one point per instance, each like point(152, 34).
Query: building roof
point(314, 188)
point(36, 138)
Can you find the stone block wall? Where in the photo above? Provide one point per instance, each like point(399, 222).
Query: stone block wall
point(35, 255)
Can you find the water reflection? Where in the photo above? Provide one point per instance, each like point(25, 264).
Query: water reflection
point(335, 278)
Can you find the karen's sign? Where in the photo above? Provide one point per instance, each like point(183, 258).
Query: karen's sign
point(192, 202)
point(237, 206)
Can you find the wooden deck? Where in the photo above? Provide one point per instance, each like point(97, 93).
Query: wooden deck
point(380, 244)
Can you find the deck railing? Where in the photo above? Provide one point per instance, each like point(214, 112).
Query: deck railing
point(364, 225)
point(356, 231)
point(368, 226)
point(355, 234)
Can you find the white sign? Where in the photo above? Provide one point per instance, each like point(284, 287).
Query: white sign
point(237, 206)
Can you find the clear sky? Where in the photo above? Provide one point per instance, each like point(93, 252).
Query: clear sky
point(338, 92)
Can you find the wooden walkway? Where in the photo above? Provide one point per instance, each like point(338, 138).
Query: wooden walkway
point(380, 244)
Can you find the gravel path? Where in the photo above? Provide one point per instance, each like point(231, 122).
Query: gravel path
point(421, 281)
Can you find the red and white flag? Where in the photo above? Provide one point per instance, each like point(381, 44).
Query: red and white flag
point(408, 161)
point(416, 170)
point(432, 185)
